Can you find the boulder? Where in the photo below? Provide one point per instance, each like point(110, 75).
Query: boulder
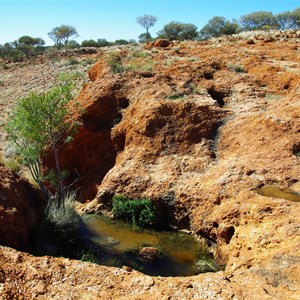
point(21, 207)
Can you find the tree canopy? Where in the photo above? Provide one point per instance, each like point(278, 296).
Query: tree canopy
point(146, 21)
point(218, 26)
point(61, 35)
point(39, 123)
point(295, 18)
point(258, 20)
point(178, 31)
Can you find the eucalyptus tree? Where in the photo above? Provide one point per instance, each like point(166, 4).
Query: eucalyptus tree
point(61, 35)
point(38, 126)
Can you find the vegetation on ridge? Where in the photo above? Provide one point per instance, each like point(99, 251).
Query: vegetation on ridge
point(27, 46)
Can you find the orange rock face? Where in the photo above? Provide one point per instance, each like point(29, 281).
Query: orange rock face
point(197, 128)
point(208, 126)
point(20, 209)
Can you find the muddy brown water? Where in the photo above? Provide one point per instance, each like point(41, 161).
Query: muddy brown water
point(120, 243)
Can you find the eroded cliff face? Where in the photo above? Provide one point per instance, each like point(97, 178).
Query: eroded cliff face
point(198, 137)
point(21, 207)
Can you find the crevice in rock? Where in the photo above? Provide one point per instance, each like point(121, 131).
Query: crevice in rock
point(207, 236)
point(119, 141)
point(227, 233)
point(101, 114)
point(217, 95)
point(123, 102)
point(208, 75)
point(296, 150)
point(169, 214)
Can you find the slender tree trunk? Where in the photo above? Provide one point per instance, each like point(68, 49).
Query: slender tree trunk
point(42, 187)
point(61, 192)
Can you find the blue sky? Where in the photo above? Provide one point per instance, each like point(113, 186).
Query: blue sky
point(115, 19)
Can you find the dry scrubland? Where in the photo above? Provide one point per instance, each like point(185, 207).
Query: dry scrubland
point(197, 128)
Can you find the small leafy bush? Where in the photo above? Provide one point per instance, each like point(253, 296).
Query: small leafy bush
point(205, 265)
point(3, 66)
point(62, 223)
point(138, 212)
point(91, 255)
point(236, 68)
point(13, 164)
point(88, 61)
point(115, 62)
point(72, 62)
point(176, 96)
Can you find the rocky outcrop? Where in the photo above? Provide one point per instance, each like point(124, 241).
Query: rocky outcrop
point(20, 208)
point(198, 133)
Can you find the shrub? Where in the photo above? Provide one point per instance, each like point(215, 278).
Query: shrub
point(3, 66)
point(178, 31)
point(88, 61)
point(236, 68)
point(62, 223)
point(91, 255)
point(121, 42)
point(13, 164)
point(138, 212)
point(115, 62)
point(258, 20)
point(73, 44)
point(102, 43)
point(89, 43)
point(203, 266)
point(72, 62)
point(176, 96)
point(218, 26)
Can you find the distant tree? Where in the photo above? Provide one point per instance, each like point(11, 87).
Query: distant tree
point(9, 51)
point(284, 20)
point(29, 45)
point(102, 43)
point(295, 18)
point(121, 42)
point(178, 31)
point(258, 20)
point(132, 41)
point(61, 35)
point(89, 43)
point(146, 21)
point(145, 37)
point(218, 26)
point(72, 44)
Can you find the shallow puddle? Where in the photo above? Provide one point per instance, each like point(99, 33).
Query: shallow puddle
point(120, 244)
point(277, 192)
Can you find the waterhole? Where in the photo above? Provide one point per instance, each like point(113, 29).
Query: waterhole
point(277, 192)
point(151, 252)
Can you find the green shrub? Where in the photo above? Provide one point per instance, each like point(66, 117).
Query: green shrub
point(205, 265)
point(236, 68)
point(138, 212)
point(88, 61)
point(102, 43)
point(91, 255)
point(13, 164)
point(3, 66)
point(115, 62)
point(176, 96)
point(72, 62)
point(62, 224)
